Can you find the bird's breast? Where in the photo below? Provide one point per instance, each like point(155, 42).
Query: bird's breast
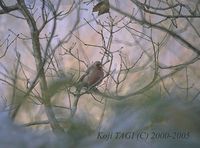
point(95, 77)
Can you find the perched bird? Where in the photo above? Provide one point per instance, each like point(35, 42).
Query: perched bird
point(93, 75)
point(102, 7)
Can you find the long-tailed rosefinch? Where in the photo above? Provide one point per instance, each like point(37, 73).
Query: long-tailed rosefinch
point(93, 75)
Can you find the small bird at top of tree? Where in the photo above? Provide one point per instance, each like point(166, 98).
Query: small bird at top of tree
point(93, 76)
point(102, 7)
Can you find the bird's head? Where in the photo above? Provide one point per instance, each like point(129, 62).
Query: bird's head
point(98, 64)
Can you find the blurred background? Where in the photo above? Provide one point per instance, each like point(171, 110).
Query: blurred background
point(150, 55)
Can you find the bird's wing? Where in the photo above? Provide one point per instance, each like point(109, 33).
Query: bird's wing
point(102, 7)
point(97, 7)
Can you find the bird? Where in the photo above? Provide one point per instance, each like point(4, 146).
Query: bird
point(102, 7)
point(93, 75)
